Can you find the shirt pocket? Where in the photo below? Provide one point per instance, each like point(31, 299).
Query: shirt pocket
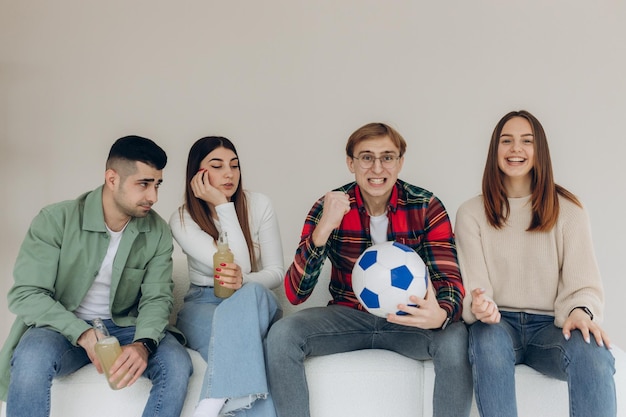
point(414, 242)
point(129, 289)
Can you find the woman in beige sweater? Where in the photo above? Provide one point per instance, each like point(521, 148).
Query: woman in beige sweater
point(535, 292)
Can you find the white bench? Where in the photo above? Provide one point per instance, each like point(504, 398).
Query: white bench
point(372, 383)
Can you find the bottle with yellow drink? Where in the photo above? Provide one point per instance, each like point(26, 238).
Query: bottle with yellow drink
point(222, 256)
point(107, 349)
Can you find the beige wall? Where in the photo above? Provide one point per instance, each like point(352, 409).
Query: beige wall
point(288, 81)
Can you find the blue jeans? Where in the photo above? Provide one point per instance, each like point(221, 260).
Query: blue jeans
point(534, 340)
point(230, 334)
point(333, 329)
point(43, 354)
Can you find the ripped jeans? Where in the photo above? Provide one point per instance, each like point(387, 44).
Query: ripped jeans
point(230, 335)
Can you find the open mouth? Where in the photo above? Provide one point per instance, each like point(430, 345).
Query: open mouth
point(377, 181)
point(516, 159)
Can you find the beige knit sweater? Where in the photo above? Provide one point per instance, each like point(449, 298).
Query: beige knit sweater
point(535, 272)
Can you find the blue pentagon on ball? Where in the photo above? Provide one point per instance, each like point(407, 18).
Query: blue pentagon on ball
point(368, 259)
point(401, 277)
point(370, 299)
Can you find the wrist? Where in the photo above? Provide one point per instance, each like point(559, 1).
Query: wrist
point(446, 320)
point(220, 202)
point(585, 309)
point(319, 237)
point(148, 344)
point(86, 336)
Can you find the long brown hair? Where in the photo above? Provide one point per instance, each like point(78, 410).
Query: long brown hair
point(199, 209)
point(544, 198)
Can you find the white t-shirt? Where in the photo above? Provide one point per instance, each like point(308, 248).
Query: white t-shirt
point(378, 228)
point(96, 301)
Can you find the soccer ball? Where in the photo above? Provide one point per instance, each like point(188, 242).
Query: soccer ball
point(385, 275)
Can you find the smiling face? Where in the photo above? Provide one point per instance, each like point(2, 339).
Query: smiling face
point(377, 181)
point(516, 152)
point(222, 166)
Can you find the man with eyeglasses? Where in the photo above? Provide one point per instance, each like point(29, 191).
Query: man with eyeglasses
point(375, 208)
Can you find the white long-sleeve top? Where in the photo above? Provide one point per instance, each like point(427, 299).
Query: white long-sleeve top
point(200, 246)
point(547, 273)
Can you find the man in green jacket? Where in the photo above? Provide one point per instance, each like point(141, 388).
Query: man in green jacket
point(107, 255)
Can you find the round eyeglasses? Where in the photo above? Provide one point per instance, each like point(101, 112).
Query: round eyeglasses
point(366, 161)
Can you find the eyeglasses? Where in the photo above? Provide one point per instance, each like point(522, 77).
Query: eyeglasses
point(366, 161)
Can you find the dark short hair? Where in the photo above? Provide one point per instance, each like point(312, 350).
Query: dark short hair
point(135, 148)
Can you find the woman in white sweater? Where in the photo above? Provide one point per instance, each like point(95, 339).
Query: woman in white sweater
point(229, 333)
point(535, 292)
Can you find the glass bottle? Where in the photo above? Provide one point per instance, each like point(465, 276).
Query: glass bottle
point(222, 256)
point(107, 349)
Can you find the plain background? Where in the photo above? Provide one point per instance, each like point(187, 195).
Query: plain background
point(288, 81)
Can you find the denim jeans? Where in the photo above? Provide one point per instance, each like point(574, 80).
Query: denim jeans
point(333, 329)
point(230, 334)
point(534, 340)
point(43, 354)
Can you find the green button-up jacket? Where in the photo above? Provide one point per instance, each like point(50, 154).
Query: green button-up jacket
point(59, 260)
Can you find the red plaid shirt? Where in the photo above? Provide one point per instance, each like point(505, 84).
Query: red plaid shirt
point(417, 219)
